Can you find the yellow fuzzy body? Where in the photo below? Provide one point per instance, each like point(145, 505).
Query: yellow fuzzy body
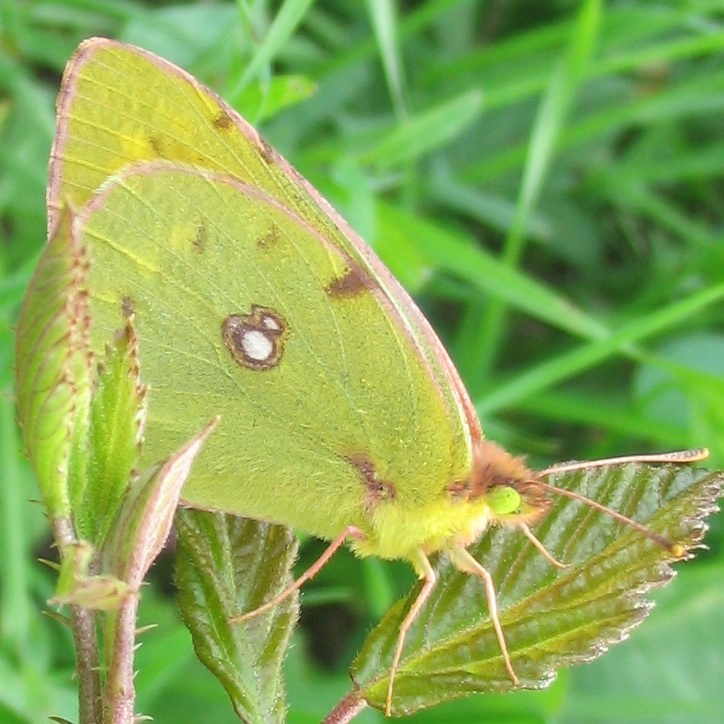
point(431, 528)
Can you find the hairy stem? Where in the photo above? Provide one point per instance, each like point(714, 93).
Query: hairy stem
point(120, 693)
point(83, 622)
point(85, 636)
point(346, 709)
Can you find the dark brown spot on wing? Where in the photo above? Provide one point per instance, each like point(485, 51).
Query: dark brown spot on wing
point(127, 307)
point(353, 282)
point(266, 151)
point(269, 238)
point(377, 490)
point(223, 121)
point(201, 239)
point(155, 144)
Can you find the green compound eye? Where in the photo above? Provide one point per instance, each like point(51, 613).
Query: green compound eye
point(504, 500)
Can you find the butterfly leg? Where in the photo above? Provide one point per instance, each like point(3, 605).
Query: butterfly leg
point(528, 533)
point(350, 531)
point(466, 563)
point(427, 573)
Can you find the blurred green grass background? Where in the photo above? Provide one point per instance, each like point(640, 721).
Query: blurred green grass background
point(545, 178)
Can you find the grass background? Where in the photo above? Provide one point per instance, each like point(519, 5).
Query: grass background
point(545, 178)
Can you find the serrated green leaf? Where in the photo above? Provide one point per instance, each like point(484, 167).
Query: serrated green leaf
point(117, 412)
point(225, 566)
point(551, 618)
point(671, 673)
point(53, 367)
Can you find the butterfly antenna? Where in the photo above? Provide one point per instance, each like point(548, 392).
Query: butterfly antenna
point(680, 456)
point(676, 549)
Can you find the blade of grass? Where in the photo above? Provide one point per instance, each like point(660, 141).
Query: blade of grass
point(425, 131)
point(384, 22)
point(549, 123)
point(288, 17)
point(691, 96)
point(600, 413)
point(560, 368)
point(14, 601)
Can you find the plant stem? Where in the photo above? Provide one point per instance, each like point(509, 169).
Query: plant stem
point(85, 636)
point(83, 624)
point(347, 708)
point(120, 694)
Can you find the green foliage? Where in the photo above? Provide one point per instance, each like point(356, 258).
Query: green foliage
point(53, 377)
point(83, 421)
point(115, 427)
point(226, 566)
point(563, 233)
point(551, 619)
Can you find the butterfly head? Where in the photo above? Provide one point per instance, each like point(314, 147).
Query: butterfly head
point(512, 492)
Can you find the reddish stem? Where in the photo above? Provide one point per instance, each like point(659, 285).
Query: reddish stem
point(85, 636)
point(87, 664)
point(347, 708)
point(120, 694)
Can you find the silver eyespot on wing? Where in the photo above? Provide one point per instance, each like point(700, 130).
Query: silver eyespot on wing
point(255, 340)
